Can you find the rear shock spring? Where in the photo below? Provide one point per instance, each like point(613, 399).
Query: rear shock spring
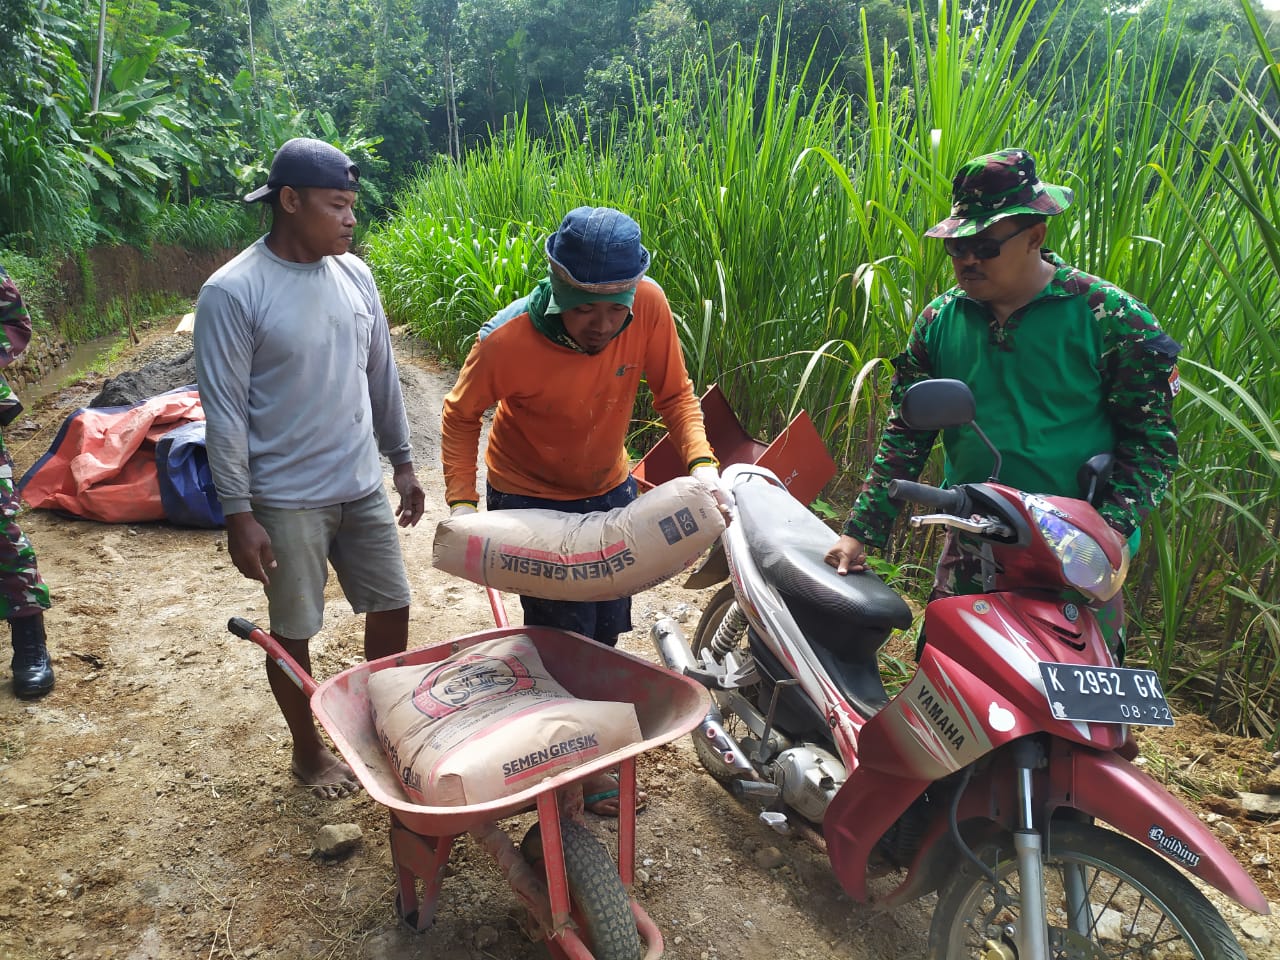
point(728, 633)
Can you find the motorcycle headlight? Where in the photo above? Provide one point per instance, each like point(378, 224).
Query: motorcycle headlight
point(1084, 563)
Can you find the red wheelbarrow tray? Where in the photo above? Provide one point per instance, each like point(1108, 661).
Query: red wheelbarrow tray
point(668, 706)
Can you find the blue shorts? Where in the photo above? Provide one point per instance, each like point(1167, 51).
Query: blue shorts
point(601, 620)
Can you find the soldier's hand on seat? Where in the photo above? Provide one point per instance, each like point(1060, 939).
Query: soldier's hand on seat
point(848, 555)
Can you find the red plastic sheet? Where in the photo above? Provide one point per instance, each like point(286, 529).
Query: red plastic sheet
point(102, 464)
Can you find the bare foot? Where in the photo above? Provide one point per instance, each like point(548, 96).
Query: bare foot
point(328, 776)
point(600, 795)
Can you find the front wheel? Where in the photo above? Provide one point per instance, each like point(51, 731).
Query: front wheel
point(1105, 896)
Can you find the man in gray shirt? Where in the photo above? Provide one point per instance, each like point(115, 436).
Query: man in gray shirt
point(301, 396)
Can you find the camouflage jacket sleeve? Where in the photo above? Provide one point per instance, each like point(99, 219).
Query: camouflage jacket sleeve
point(15, 321)
point(1141, 375)
point(903, 451)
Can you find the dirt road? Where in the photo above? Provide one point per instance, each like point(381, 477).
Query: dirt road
point(146, 809)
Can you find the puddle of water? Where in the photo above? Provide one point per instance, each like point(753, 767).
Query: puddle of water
point(82, 357)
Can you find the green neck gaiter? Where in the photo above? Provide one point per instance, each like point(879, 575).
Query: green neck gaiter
point(551, 325)
point(548, 324)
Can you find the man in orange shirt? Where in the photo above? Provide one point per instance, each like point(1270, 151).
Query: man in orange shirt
point(562, 366)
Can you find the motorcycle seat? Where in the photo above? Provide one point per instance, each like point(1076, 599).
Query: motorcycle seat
point(844, 619)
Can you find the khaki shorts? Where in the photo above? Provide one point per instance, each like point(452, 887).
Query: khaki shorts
point(359, 538)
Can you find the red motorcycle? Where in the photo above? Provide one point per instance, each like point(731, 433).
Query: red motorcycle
point(988, 776)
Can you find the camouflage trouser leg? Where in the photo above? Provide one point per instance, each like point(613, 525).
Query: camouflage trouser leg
point(959, 573)
point(22, 592)
point(1111, 622)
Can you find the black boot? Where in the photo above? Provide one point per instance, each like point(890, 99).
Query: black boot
point(32, 669)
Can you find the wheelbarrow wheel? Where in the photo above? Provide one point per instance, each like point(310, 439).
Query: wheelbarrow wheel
point(599, 901)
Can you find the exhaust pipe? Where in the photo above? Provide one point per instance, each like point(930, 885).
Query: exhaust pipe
point(674, 650)
point(668, 639)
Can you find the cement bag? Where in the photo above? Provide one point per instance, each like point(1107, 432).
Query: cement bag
point(488, 722)
point(586, 557)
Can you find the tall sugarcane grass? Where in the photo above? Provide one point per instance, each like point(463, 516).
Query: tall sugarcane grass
point(785, 220)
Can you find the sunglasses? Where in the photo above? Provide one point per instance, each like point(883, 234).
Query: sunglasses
point(980, 248)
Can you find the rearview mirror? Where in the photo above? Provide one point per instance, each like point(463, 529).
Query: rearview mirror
point(1094, 476)
point(937, 404)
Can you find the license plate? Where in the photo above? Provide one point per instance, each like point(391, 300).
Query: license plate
point(1105, 694)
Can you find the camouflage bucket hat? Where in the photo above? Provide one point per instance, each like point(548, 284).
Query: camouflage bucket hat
point(990, 188)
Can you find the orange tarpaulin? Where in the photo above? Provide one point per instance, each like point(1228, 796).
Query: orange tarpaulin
point(102, 464)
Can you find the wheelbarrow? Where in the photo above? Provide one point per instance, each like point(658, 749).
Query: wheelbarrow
point(576, 899)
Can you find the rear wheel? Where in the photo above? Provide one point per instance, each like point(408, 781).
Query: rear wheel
point(1105, 896)
point(718, 608)
point(599, 901)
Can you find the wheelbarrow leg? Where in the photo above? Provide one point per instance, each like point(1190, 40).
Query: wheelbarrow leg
point(553, 857)
point(527, 883)
point(562, 939)
point(415, 858)
point(627, 822)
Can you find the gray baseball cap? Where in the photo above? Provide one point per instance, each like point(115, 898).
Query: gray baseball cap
point(303, 162)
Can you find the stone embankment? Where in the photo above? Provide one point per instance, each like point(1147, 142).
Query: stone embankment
point(46, 351)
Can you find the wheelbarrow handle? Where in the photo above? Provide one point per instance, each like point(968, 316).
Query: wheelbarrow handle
point(248, 630)
point(241, 627)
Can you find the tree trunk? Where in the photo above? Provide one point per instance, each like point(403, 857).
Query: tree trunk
point(102, 41)
point(253, 63)
point(451, 94)
point(455, 145)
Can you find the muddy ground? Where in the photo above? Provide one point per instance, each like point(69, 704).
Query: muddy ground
point(147, 811)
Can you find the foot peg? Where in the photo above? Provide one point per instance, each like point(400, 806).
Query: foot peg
point(775, 821)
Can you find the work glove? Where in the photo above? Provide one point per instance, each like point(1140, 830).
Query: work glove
point(708, 475)
point(461, 510)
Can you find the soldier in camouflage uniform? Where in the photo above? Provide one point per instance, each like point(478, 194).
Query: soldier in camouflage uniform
point(1062, 365)
point(23, 594)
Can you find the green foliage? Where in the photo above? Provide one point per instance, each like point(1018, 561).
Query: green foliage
point(785, 215)
point(171, 124)
point(825, 510)
point(103, 319)
point(204, 225)
point(196, 96)
point(34, 278)
point(463, 243)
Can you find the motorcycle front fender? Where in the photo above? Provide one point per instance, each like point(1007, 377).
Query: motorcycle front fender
point(711, 569)
point(1105, 786)
point(1100, 784)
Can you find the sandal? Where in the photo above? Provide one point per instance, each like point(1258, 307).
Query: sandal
point(598, 803)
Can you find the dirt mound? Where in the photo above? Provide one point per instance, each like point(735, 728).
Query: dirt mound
point(152, 379)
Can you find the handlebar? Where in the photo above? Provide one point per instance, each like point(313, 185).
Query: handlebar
point(953, 501)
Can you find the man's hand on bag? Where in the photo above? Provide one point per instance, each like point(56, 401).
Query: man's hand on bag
point(848, 555)
point(461, 510)
point(413, 499)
